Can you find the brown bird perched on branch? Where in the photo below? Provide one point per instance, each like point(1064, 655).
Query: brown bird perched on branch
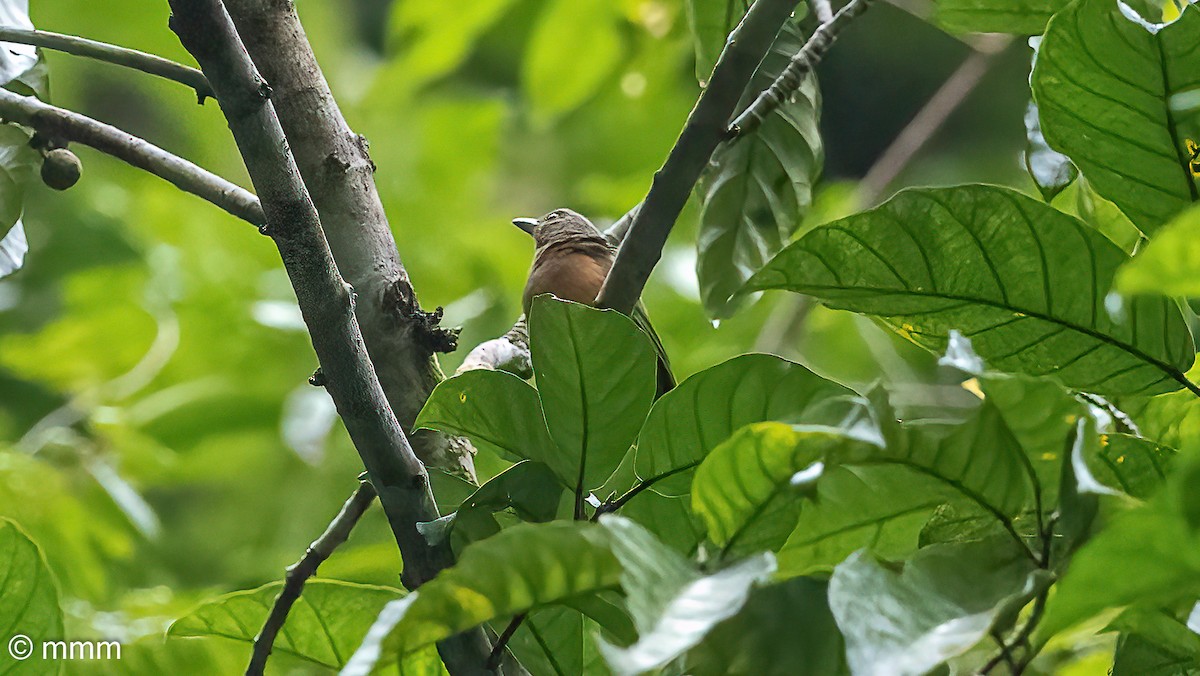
point(571, 261)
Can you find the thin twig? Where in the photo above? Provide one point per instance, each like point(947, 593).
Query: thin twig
point(64, 125)
point(120, 56)
point(298, 573)
point(509, 352)
point(502, 642)
point(953, 92)
point(785, 86)
point(326, 303)
point(706, 128)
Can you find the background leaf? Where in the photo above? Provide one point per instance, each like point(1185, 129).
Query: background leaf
point(574, 47)
point(1005, 271)
point(1170, 264)
point(1024, 17)
point(1105, 87)
point(755, 193)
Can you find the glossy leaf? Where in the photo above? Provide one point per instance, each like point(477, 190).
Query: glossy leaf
point(324, 626)
point(742, 489)
point(524, 567)
point(498, 412)
point(785, 629)
point(944, 601)
point(1107, 90)
point(672, 605)
point(1024, 282)
point(1023, 17)
point(754, 193)
point(882, 508)
point(704, 410)
point(30, 606)
point(595, 377)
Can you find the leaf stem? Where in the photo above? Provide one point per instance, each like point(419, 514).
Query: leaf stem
point(497, 654)
point(120, 56)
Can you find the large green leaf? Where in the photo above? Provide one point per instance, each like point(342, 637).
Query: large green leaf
point(528, 490)
point(754, 193)
point(882, 508)
point(324, 626)
point(711, 22)
point(742, 489)
point(704, 410)
point(1153, 643)
point(524, 567)
point(1024, 282)
point(595, 378)
point(1149, 555)
point(672, 605)
point(574, 47)
point(1170, 264)
point(785, 629)
point(1024, 17)
point(550, 641)
point(30, 604)
point(944, 601)
point(1106, 87)
point(498, 412)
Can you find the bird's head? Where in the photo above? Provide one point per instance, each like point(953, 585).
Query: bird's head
point(560, 225)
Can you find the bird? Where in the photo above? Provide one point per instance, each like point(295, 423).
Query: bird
point(571, 260)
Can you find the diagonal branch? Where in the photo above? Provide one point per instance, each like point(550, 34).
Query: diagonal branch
point(326, 302)
point(64, 125)
point(298, 573)
point(706, 128)
point(120, 56)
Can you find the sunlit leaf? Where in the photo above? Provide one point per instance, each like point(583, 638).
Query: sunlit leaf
point(1107, 89)
point(574, 47)
point(30, 606)
point(324, 626)
point(1024, 282)
point(1170, 264)
point(1024, 17)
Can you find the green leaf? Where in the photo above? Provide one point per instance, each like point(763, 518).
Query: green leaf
point(595, 377)
point(1148, 555)
point(324, 626)
point(498, 412)
point(1024, 282)
point(946, 598)
point(1133, 465)
point(1137, 655)
point(1106, 217)
point(524, 567)
point(1023, 17)
point(882, 508)
point(742, 489)
point(30, 606)
point(672, 605)
point(711, 22)
point(1050, 170)
point(17, 161)
point(784, 629)
point(1170, 264)
point(550, 641)
point(575, 45)
point(1106, 88)
point(755, 193)
point(529, 490)
point(434, 40)
point(704, 410)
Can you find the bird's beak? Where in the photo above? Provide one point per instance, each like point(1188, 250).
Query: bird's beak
point(526, 224)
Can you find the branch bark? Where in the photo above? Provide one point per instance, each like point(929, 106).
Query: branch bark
point(120, 56)
point(64, 125)
point(298, 573)
point(326, 302)
point(401, 338)
point(706, 128)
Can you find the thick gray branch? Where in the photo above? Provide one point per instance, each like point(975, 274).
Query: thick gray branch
point(509, 352)
point(401, 338)
point(121, 56)
point(706, 128)
point(326, 302)
point(64, 125)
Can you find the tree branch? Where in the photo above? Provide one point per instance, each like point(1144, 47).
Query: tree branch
point(706, 128)
point(509, 352)
point(120, 56)
point(326, 303)
point(64, 125)
point(401, 338)
point(298, 573)
point(804, 61)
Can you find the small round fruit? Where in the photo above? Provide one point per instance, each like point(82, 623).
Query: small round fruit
point(61, 169)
